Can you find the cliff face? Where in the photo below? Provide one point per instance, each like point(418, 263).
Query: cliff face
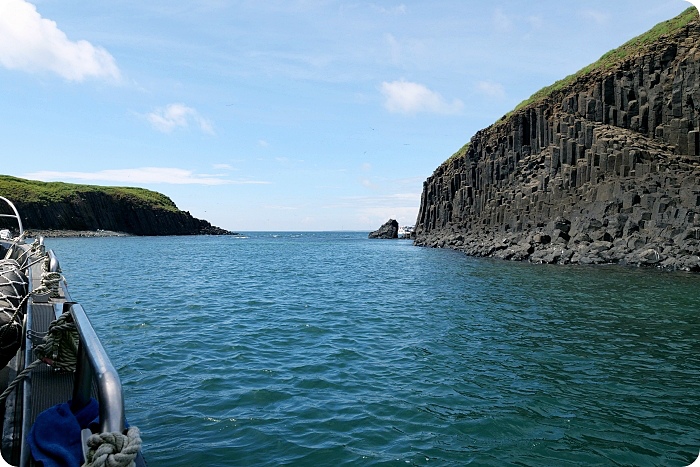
point(97, 211)
point(60, 206)
point(606, 169)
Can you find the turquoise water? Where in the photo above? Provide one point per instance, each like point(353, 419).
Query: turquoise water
point(331, 349)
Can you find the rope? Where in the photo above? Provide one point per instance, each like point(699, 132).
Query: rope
point(11, 303)
point(113, 449)
point(50, 280)
point(10, 275)
point(59, 349)
point(60, 346)
point(15, 241)
point(18, 379)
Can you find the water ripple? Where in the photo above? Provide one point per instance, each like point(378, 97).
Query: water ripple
point(330, 349)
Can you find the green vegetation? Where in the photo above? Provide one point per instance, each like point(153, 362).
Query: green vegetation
point(461, 153)
point(607, 61)
point(19, 191)
point(616, 56)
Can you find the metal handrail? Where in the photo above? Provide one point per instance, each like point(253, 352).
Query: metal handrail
point(93, 363)
point(54, 265)
point(15, 215)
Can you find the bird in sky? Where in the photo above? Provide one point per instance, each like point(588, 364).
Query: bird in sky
point(696, 3)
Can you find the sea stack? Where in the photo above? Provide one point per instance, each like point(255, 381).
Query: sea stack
point(389, 230)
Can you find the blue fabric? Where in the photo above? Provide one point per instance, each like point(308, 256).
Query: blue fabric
point(54, 439)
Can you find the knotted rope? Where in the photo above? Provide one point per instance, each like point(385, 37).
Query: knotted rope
point(113, 449)
point(50, 280)
point(59, 349)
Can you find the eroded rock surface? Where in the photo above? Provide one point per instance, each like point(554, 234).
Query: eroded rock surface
point(606, 170)
point(389, 230)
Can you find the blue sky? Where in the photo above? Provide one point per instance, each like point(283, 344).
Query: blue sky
point(281, 115)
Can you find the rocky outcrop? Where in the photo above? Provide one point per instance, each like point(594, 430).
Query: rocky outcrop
point(97, 211)
point(389, 230)
point(88, 208)
point(605, 170)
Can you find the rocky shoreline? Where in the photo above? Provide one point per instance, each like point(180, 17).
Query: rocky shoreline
point(564, 242)
point(605, 170)
point(33, 233)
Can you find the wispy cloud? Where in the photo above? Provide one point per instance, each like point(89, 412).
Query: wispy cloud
point(491, 89)
point(536, 22)
point(174, 116)
point(33, 44)
point(395, 10)
point(374, 210)
point(596, 16)
point(367, 183)
point(411, 98)
point(142, 175)
point(502, 21)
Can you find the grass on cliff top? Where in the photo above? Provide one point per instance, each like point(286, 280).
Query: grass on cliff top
point(461, 153)
point(615, 56)
point(608, 60)
point(19, 190)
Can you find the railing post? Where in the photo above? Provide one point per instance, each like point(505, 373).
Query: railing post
point(82, 383)
point(109, 387)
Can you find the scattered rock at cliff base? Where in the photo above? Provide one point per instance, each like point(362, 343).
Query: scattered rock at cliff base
point(605, 169)
point(389, 230)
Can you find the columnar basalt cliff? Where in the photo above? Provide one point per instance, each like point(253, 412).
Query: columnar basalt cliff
point(606, 169)
point(61, 206)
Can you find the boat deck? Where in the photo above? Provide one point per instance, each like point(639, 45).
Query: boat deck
point(44, 387)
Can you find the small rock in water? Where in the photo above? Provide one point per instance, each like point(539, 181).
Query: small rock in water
point(389, 230)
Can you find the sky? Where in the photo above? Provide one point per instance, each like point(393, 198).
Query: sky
point(299, 115)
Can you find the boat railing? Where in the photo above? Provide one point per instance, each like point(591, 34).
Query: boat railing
point(15, 215)
point(94, 365)
point(54, 265)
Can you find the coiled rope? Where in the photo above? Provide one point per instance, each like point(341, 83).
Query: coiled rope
point(113, 449)
point(59, 349)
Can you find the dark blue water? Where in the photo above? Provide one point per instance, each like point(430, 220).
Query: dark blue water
point(331, 349)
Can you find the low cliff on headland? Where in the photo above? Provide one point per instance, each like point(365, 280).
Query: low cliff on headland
point(602, 167)
point(66, 206)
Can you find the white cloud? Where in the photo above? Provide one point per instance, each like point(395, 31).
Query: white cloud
point(596, 16)
point(394, 48)
point(367, 183)
point(491, 89)
point(143, 175)
point(178, 116)
point(411, 98)
point(396, 10)
point(373, 211)
point(501, 21)
point(31, 43)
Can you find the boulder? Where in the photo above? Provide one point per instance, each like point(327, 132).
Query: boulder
point(389, 230)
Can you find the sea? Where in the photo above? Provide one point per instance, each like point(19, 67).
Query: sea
point(331, 349)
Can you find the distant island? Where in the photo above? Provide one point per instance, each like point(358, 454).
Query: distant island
point(89, 210)
point(600, 167)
